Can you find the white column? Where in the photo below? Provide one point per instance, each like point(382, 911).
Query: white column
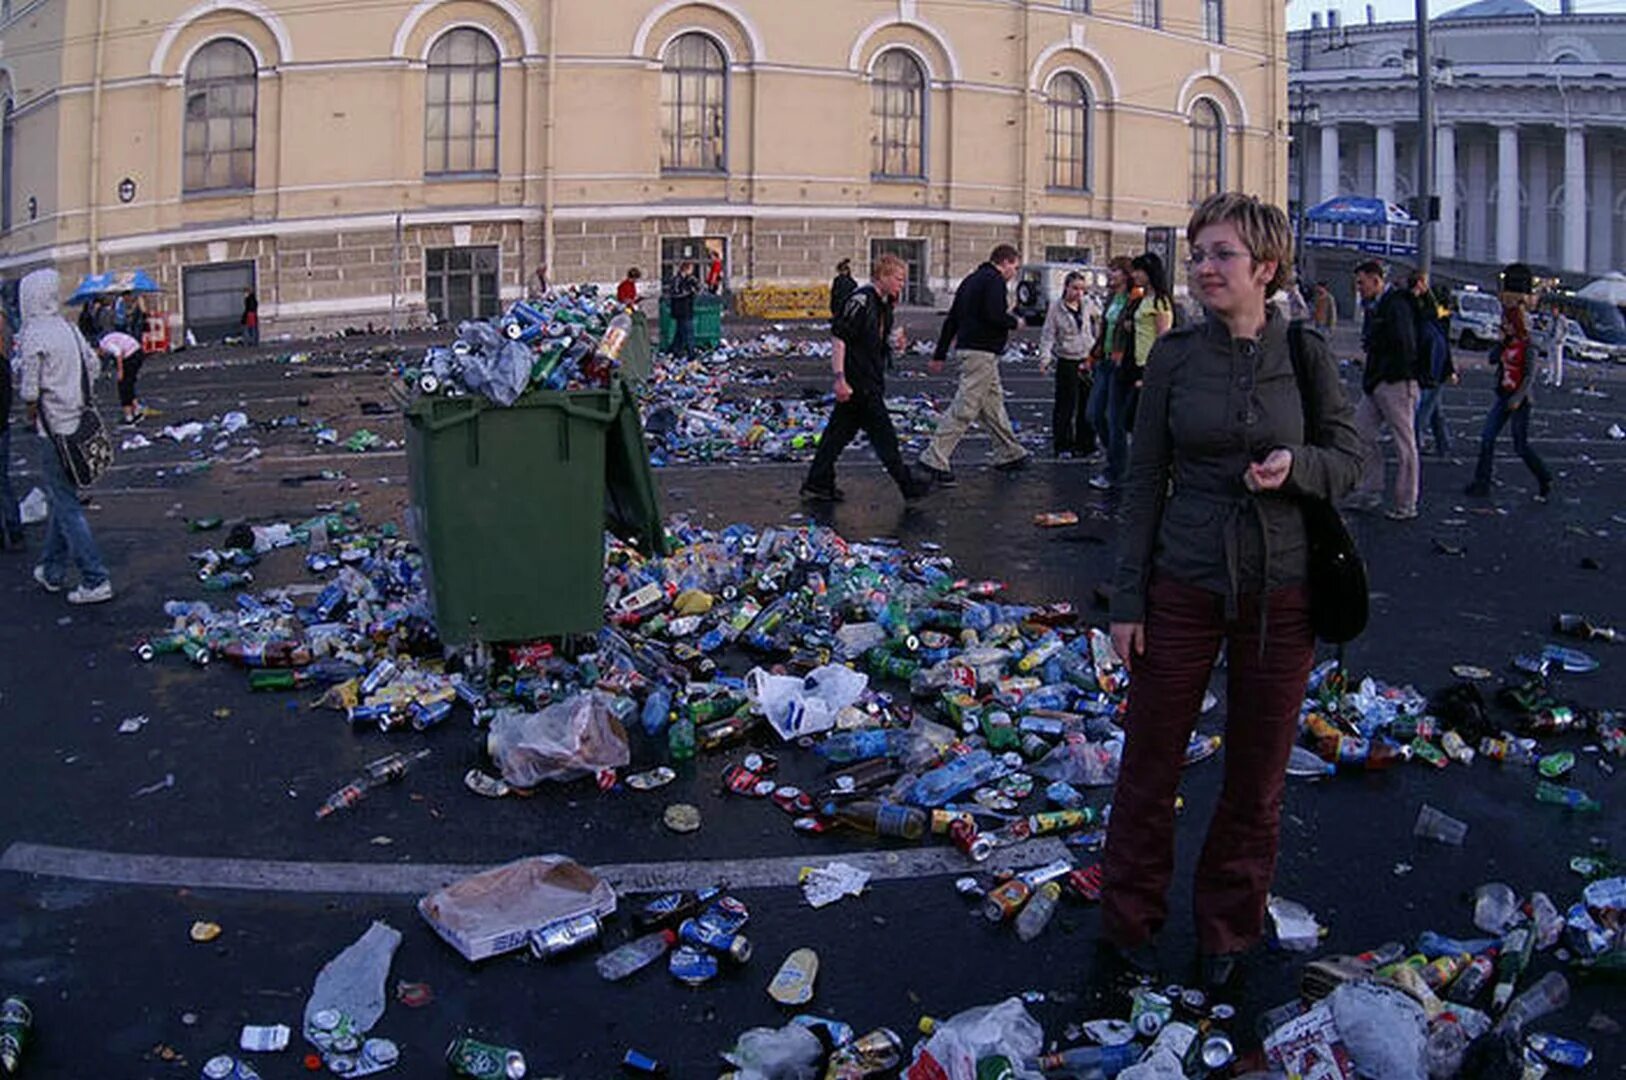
point(1445, 186)
point(1384, 185)
point(1507, 193)
point(1477, 243)
point(1575, 199)
point(1329, 162)
point(1539, 248)
point(1601, 244)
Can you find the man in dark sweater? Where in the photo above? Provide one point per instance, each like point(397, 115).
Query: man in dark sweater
point(978, 325)
point(864, 341)
point(1390, 390)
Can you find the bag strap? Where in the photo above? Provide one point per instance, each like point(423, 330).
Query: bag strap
point(1301, 375)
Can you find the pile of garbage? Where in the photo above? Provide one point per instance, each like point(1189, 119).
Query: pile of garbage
point(569, 340)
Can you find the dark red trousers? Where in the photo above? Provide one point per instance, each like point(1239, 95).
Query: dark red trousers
point(1184, 628)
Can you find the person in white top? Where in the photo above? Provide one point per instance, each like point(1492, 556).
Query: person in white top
point(126, 352)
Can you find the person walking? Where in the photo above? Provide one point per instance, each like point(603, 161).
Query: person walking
point(11, 521)
point(1103, 354)
point(627, 292)
point(251, 317)
point(1214, 553)
point(1434, 367)
point(1064, 344)
point(1325, 311)
point(685, 286)
point(57, 368)
point(1515, 367)
point(1390, 392)
point(135, 317)
point(1147, 317)
point(125, 352)
point(842, 286)
point(863, 341)
point(978, 326)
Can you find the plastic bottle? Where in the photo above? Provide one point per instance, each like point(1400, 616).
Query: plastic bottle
point(1549, 993)
point(1546, 918)
point(1087, 1061)
point(1035, 916)
point(963, 773)
point(1431, 944)
point(845, 747)
point(1447, 1043)
point(1305, 762)
point(680, 737)
point(1559, 795)
point(1467, 986)
point(657, 709)
point(1516, 949)
point(1495, 907)
point(883, 819)
point(635, 955)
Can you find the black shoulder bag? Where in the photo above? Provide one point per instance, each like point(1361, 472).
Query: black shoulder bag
point(87, 453)
point(1339, 596)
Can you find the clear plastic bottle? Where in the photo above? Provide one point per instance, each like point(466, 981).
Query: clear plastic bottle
point(963, 773)
point(635, 955)
point(845, 747)
point(657, 708)
point(1305, 762)
point(1036, 915)
point(1447, 1043)
point(1548, 994)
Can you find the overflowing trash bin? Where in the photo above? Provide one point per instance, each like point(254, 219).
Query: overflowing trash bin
point(708, 322)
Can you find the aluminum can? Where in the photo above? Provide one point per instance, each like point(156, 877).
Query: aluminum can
point(226, 1067)
point(563, 935)
point(484, 1061)
point(692, 965)
point(708, 934)
point(972, 844)
point(1005, 900)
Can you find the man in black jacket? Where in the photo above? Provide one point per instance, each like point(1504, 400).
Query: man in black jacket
point(864, 341)
point(842, 286)
point(1391, 392)
point(978, 325)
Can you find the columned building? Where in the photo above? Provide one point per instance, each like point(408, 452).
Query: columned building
point(1530, 137)
point(348, 161)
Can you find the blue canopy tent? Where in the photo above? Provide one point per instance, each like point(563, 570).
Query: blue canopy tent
point(113, 282)
point(1360, 224)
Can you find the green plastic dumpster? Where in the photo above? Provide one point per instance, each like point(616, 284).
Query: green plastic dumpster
point(637, 360)
point(708, 321)
point(508, 509)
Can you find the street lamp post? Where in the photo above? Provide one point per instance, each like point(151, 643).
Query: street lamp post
point(1425, 142)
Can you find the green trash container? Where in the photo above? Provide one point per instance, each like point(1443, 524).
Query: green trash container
point(637, 357)
point(708, 321)
point(508, 511)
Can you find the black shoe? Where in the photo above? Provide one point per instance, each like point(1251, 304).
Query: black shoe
point(940, 477)
point(818, 494)
point(1545, 491)
point(1477, 489)
point(1014, 466)
point(1138, 962)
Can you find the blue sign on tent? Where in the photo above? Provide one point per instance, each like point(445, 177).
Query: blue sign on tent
point(112, 283)
point(1361, 224)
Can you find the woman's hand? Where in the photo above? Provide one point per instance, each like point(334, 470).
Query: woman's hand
point(1271, 473)
point(1129, 641)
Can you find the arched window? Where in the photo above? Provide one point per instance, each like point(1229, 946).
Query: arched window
point(1568, 56)
point(1068, 104)
point(460, 104)
point(8, 158)
point(222, 88)
point(694, 105)
point(1207, 150)
point(898, 116)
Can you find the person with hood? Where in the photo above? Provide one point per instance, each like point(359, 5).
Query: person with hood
point(56, 368)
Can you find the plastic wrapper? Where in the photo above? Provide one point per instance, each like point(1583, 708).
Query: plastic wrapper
point(807, 705)
point(958, 1043)
point(494, 911)
point(1384, 1030)
point(353, 982)
point(1081, 763)
point(788, 1053)
point(568, 739)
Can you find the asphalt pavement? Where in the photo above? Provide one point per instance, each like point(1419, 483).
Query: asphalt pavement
point(101, 882)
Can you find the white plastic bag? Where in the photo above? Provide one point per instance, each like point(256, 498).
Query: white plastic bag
point(570, 738)
point(805, 706)
point(1385, 1031)
point(788, 1053)
point(956, 1045)
point(353, 982)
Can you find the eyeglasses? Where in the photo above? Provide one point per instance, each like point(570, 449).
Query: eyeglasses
point(1221, 256)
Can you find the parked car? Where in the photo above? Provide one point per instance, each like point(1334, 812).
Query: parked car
point(1602, 325)
point(1476, 318)
point(1038, 284)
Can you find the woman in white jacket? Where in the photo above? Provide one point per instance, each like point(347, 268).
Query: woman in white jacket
point(1069, 331)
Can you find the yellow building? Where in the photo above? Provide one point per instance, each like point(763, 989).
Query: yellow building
point(353, 160)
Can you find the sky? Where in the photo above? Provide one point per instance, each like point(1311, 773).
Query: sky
point(1354, 11)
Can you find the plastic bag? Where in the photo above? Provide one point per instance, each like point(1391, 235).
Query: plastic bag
point(808, 705)
point(569, 738)
point(1160, 1066)
point(1385, 1031)
point(493, 911)
point(958, 1043)
point(353, 982)
point(1296, 927)
point(34, 509)
point(1081, 763)
point(788, 1053)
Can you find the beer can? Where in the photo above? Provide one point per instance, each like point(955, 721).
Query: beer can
point(1217, 1050)
point(691, 965)
point(483, 1061)
point(1559, 1051)
point(564, 935)
point(425, 716)
point(1005, 900)
point(378, 712)
point(710, 935)
point(384, 671)
point(1150, 1011)
point(636, 1062)
point(942, 821)
point(226, 1067)
point(971, 843)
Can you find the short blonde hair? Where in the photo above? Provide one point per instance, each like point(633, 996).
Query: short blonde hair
point(886, 265)
point(1262, 226)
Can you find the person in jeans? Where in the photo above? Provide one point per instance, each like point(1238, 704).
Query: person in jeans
point(1099, 410)
point(1390, 390)
point(1434, 367)
point(864, 340)
point(685, 286)
point(1213, 553)
point(55, 363)
point(1515, 366)
point(978, 326)
point(11, 521)
point(1064, 344)
point(1148, 316)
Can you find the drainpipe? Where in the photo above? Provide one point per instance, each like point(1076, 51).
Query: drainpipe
point(549, 170)
point(1022, 126)
point(96, 140)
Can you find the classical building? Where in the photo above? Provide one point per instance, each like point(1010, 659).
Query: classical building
point(348, 161)
point(1530, 143)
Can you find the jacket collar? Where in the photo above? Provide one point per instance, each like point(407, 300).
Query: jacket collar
point(1274, 337)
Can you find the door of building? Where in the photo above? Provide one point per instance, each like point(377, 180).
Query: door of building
point(213, 298)
point(913, 254)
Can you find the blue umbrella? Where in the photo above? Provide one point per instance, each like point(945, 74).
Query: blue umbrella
point(113, 282)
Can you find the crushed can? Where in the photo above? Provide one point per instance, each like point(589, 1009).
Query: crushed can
point(16, 1024)
point(484, 1061)
point(692, 966)
point(226, 1067)
point(1559, 1051)
point(564, 935)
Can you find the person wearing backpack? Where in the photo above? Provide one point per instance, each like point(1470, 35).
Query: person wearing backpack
point(56, 368)
point(1434, 367)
